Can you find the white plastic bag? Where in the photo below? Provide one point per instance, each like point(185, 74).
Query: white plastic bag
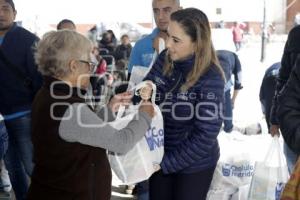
point(138, 164)
point(219, 195)
point(242, 193)
point(271, 175)
point(235, 168)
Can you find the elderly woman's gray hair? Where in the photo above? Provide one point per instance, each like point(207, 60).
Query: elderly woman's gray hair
point(57, 48)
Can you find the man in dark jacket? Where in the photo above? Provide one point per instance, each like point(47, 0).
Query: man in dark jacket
point(289, 111)
point(291, 51)
point(121, 55)
point(123, 50)
point(290, 54)
point(19, 82)
point(267, 90)
point(231, 65)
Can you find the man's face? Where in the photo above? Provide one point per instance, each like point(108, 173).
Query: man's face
point(162, 9)
point(7, 15)
point(125, 40)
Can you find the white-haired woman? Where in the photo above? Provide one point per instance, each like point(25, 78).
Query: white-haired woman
point(70, 139)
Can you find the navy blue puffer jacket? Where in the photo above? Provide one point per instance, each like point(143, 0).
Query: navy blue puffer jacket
point(192, 119)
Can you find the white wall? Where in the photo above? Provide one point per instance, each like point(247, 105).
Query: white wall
point(239, 10)
point(242, 10)
point(95, 11)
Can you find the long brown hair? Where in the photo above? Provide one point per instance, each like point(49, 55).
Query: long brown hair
point(195, 24)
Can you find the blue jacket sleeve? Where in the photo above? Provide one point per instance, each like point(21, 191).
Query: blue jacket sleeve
point(203, 136)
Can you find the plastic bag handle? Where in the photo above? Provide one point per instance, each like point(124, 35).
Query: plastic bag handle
point(137, 87)
point(275, 148)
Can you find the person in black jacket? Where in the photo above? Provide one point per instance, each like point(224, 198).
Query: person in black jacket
point(290, 55)
point(190, 92)
point(267, 90)
point(20, 81)
point(123, 50)
point(108, 41)
point(289, 111)
point(121, 55)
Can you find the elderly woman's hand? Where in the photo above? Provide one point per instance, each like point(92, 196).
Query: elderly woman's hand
point(122, 99)
point(148, 108)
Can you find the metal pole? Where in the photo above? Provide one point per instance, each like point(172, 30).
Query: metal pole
point(263, 35)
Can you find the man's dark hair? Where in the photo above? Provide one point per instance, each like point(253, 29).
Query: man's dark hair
point(124, 36)
point(58, 27)
point(11, 3)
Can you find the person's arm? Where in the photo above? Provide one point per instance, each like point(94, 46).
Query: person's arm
point(288, 60)
point(84, 126)
point(34, 74)
point(289, 111)
point(105, 113)
point(262, 96)
point(234, 95)
point(203, 136)
point(287, 65)
point(237, 72)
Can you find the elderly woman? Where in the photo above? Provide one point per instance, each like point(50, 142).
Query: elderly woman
point(70, 139)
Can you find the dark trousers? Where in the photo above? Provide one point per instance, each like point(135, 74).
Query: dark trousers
point(18, 158)
point(192, 186)
point(228, 126)
point(238, 45)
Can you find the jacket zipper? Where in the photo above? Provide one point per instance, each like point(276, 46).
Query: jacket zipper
point(173, 88)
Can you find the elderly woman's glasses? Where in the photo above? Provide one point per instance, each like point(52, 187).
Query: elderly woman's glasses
point(92, 65)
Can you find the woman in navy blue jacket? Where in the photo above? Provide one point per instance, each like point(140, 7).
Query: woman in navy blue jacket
point(190, 89)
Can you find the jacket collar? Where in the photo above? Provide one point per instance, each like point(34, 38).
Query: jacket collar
point(185, 66)
point(11, 29)
point(61, 88)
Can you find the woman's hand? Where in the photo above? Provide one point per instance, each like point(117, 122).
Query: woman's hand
point(122, 99)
